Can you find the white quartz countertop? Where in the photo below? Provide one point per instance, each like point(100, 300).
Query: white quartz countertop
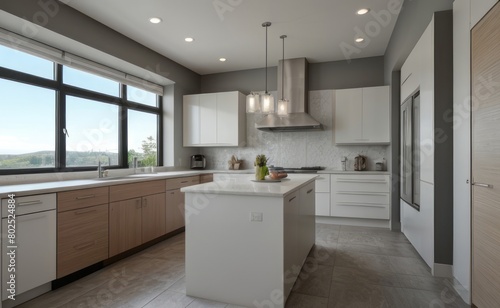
point(243, 185)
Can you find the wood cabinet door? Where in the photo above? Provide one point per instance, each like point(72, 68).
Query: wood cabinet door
point(153, 217)
point(348, 115)
point(208, 118)
point(191, 120)
point(227, 118)
point(485, 163)
point(375, 119)
point(175, 210)
point(125, 224)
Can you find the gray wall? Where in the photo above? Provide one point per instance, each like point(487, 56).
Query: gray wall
point(366, 72)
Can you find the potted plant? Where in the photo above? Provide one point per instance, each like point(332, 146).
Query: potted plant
point(261, 169)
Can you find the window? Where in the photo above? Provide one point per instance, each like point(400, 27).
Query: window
point(142, 138)
point(26, 63)
point(73, 119)
point(90, 82)
point(27, 126)
point(92, 133)
point(141, 96)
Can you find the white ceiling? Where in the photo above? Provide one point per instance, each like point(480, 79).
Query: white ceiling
point(233, 29)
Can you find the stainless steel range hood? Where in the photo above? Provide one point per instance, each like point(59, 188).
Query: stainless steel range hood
point(295, 87)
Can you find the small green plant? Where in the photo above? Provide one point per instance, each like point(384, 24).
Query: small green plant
point(261, 160)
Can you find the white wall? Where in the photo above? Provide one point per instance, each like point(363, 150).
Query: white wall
point(461, 145)
point(478, 9)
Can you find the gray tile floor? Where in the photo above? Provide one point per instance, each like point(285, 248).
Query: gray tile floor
point(348, 267)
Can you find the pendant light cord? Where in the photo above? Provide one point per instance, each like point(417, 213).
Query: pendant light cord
point(266, 58)
point(283, 69)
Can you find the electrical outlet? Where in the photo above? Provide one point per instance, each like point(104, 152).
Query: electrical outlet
point(256, 216)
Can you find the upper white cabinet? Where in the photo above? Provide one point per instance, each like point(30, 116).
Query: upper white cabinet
point(362, 116)
point(214, 119)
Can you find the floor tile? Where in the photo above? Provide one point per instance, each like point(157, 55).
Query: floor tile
point(296, 300)
point(365, 261)
point(360, 276)
point(323, 254)
point(314, 279)
point(359, 248)
point(170, 299)
point(179, 285)
point(410, 266)
point(356, 296)
point(204, 303)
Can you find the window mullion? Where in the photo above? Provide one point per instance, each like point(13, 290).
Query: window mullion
point(123, 130)
point(60, 121)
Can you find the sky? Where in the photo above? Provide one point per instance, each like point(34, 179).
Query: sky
point(27, 113)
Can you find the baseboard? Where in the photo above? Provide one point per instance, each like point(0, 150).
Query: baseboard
point(359, 222)
point(461, 290)
point(442, 270)
point(26, 296)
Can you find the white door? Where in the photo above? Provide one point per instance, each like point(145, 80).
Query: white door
point(348, 115)
point(227, 118)
point(208, 118)
point(485, 161)
point(376, 115)
point(191, 120)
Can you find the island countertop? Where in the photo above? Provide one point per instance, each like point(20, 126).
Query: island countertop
point(243, 185)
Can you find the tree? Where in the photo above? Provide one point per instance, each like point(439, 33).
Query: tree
point(149, 147)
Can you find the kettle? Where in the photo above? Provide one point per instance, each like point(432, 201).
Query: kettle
point(359, 163)
point(198, 162)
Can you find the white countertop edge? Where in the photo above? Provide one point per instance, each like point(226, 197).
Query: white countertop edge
point(246, 187)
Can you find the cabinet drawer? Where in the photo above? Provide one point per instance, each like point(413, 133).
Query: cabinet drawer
point(29, 204)
point(135, 190)
point(360, 183)
point(362, 199)
point(323, 183)
point(205, 178)
point(75, 199)
point(82, 238)
point(352, 210)
point(176, 183)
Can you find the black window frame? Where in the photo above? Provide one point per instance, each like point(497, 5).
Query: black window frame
point(62, 91)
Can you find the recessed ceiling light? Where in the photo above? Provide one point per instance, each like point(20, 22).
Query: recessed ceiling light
point(363, 11)
point(189, 39)
point(359, 40)
point(155, 20)
point(222, 59)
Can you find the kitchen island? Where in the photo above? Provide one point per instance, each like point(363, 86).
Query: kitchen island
point(246, 241)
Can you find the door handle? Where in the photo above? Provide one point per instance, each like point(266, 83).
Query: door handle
point(482, 185)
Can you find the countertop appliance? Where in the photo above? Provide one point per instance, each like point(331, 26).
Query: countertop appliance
point(198, 161)
point(313, 169)
point(359, 163)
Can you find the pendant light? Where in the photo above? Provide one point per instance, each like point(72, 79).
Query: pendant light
point(267, 100)
point(283, 103)
point(253, 103)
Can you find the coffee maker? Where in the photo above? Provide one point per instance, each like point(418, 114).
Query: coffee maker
point(198, 161)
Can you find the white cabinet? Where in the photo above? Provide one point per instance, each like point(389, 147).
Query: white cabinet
point(360, 196)
point(362, 116)
point(34, 242)
point(214, 119)
point(323, 195)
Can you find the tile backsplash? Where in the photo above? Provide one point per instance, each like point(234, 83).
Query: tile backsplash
point(298, 149)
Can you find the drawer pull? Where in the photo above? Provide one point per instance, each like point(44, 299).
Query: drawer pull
point(361, 181)
point(379, 205)
point(84, 245)
point(85, 211)
point(292, 198)
point(482, 185)
point(310, 191)
point(34, 202)
point(85, 197)
point(184, 182)
point(365, 193)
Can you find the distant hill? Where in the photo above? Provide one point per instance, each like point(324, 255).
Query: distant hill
point(46, 159)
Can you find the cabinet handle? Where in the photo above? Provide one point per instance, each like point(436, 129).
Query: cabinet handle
point(361, 181)
point(380, 205)
point(172, 193)
point(362, 139)
point(84, 245)
point(85, 197)
point(310, 191)
point(482, 185)
point(34, 202)
point(356, 193)
point(84, 211)
point(183, 182)
point(292, 198)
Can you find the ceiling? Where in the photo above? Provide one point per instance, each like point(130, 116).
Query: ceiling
point(316, 29)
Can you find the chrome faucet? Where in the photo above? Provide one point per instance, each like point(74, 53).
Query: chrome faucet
point(100, 170)
point(135, 164)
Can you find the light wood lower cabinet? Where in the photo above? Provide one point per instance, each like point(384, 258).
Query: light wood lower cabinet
point(136, 221)
point(82, 229)
point(153, 217)
point(175, 199)
point(205, 178)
